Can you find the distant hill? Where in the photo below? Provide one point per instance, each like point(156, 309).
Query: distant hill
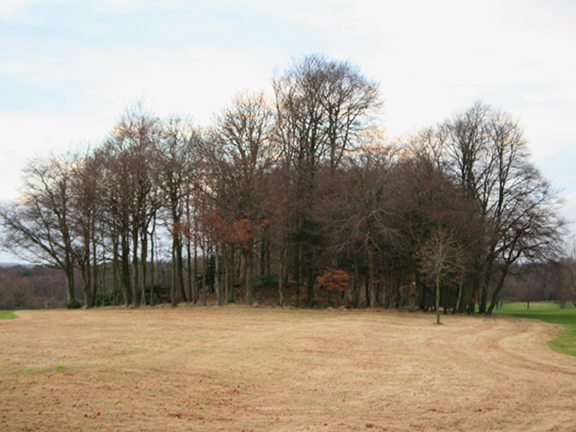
point(27, 287)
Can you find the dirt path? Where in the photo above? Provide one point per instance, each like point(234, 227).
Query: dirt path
point(236, 368)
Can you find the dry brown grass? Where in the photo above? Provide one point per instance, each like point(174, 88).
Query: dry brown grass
point(236, 368)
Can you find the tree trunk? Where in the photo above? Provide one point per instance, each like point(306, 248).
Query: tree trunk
point(204, 279)
point(135, 268)
point(70, 284)
point(243, 265)
point(281, 286)
point(298, 274)
point(357, 282)
point(174, 287)
point(438, 299)
point(85, 273)
point(472, 296)
point(115, 271)
point(282, 272)
point(413, 290)
point(484, 287)
point(103, 279)
point(217, 278)
point(226, 276)
point(367, 291)
point(309, 280)
point(231, 253)
point(189, 268)
point(152, 300)
point(262, 260)
point(496, 293)
point(370, 253)
point(268, 251)
point(94, 267)
point(180, 268)
point(143, 260)
point(125, 270)
point(459, 299)
point(195, 273)
point(249, 282)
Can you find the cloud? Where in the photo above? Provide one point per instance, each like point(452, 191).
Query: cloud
point(10, 8)
point(80, 63)
point(27, 135)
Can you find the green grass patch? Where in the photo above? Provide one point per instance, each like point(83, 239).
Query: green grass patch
point(552, 313)
point(6, 314)
point(60, 367)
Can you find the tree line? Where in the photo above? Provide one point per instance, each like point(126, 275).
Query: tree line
point(31, 288)
point(301, 190)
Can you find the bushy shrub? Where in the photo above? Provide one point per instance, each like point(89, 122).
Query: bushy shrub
point(74, 304)
point(268, 279)
point(108, 298)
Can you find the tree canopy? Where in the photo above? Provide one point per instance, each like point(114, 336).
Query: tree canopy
point(300, 193)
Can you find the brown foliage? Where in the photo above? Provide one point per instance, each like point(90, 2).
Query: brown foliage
point(334, 279)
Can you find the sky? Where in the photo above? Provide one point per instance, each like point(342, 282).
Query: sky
point(68, 68)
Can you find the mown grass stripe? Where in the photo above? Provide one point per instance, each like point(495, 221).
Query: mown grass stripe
point(6, 314)
point(550, 312)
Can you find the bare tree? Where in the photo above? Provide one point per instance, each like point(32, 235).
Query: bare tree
point(38, 225)
point(86, 217)
point(239, 153)
point(365, 217)
point(130, 194)
point(440, 256)
point(323, 106)
point(488, 156)
point(176, 155)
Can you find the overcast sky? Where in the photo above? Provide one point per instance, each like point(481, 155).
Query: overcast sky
point(68, 68)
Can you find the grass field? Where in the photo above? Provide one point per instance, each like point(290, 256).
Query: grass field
point(6, 314)
point(551, 313)
point(237, 368)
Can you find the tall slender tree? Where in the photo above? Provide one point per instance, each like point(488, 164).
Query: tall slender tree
point(240, 152)
point(177, 158)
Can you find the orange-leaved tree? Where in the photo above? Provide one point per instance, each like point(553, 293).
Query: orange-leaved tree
point(333, 280)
